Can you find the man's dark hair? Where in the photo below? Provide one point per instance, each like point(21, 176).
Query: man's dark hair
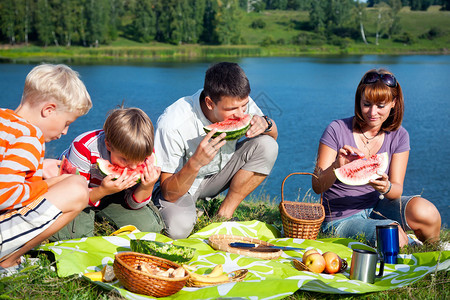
point(226, 79)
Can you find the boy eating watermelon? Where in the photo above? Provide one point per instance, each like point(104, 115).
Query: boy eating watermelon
point(121, 190)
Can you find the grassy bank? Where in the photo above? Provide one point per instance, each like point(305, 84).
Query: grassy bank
point(285, 33)
point(42, 282)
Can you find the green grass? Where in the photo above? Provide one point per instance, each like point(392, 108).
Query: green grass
point(42, 281)
point(275, 39)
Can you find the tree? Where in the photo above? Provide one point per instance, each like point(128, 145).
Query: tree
point(360, 16)
point(43, 22)
point(97, 19)
point(208, 35)
point(317, 16)
point(144, 21)
point(227, 26)
point(8, 18)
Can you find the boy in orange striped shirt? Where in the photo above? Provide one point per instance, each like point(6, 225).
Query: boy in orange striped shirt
point(31, 208)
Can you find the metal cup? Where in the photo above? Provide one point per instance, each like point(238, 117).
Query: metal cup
point(387, 243)
point(364, 266)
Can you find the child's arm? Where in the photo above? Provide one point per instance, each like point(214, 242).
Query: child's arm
point(142, 194)
point(110, 186)
point(21, 173)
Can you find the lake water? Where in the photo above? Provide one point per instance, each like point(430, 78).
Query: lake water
point(302, 94)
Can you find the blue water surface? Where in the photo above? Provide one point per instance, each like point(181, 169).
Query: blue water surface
point(302, 94)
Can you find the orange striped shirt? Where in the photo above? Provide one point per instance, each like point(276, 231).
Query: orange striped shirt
point(22, 148)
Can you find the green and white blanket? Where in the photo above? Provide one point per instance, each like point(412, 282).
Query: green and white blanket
point(266, 279)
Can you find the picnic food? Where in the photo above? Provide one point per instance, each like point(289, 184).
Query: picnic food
point(171, 252)
point(67, 168)
point(156, 271)
point(333, 262)
point(315, 262)
point(308, 252)
point(360, 171)
point(107, 168)
point(105, 275)
point(216, 276)
point(234, 128)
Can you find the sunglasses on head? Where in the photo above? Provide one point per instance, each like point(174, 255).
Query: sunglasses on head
point(387, 79)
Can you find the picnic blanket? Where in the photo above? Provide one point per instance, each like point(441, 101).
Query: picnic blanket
point(266, 279)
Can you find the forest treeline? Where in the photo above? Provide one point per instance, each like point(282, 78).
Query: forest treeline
point(90, 23)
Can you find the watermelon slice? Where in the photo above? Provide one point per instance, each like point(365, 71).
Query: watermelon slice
point(360, 171)
point(107, 168)
point(67, 168)
point(234, 128)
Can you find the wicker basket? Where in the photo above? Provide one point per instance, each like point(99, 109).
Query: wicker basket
point(125, 265)
point(301, 220)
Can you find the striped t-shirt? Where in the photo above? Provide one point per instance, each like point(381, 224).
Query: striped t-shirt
point(22, 148)
point(83, 154)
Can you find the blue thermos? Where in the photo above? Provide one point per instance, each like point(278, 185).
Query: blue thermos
point(387, 243)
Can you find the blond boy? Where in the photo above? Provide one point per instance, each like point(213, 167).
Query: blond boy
point(32, 209)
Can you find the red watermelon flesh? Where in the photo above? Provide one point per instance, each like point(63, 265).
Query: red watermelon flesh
point(233, 127)
point(107, 168)
point(360, 171)
point(67, 168)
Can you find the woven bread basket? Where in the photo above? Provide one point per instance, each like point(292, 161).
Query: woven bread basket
point(301, 220)
point(125, 268)
point(221, 242)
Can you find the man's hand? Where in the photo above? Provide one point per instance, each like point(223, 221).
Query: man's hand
point(257, 126)
point(207, 149)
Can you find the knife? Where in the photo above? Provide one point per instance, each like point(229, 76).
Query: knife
point(256, 247)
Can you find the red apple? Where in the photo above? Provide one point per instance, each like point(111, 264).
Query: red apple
point(308, 252)
point(333, 262)
point(315, 262)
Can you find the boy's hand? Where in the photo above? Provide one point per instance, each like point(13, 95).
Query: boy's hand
point(150, 175)
point(50, 168)
point(111, 186)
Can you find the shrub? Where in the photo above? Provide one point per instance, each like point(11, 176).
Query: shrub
point(258, 24)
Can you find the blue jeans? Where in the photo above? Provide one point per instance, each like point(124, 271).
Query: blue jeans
point(364, 223)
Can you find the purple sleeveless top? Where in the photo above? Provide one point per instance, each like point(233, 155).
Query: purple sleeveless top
point(342, 200)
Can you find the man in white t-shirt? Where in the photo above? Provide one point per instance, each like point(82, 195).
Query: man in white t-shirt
point(194, 165)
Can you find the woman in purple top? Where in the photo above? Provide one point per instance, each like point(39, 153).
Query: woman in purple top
point(353, 211)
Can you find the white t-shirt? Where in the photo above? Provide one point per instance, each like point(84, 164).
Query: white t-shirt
point(179, 132)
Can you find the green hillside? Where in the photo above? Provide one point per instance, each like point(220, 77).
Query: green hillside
point(281, 33)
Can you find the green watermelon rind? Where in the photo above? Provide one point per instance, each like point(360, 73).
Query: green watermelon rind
point(362, 181)
point(175, 253)
point(102, 165)
point(231, 134)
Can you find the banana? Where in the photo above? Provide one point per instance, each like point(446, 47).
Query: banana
point(217, 271)
point(206, 278)
point(94, 276)
point(127, 229)
point(106, 274)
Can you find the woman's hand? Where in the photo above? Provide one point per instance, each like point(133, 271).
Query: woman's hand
point(382, 184)
point(347, 154)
